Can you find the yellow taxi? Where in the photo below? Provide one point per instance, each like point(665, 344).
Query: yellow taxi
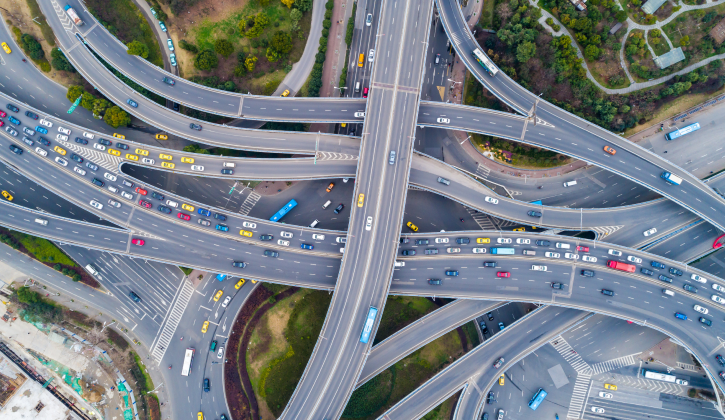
point(218, 295)
point(412, 227)
point(360, 200)
point(6, 48)
point(483, 241)
point(7, 195)
point(239, 284)
point(131, 157)
point(114, 152)
point(204, 326)
point(246, 233)
point(610, 386)
point(254, 281)
point(187, 160)
point(285, 93)
point(168, 165)
point(162, 137)
point(166, 157)
point(501, 379)
point(200, 416)
point(142, 152)
point(520, 229)
point(60, 150)
point(187, 207)
point(119, 136)
point(343, 125)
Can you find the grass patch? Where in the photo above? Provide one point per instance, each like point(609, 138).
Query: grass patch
point(141, 375)
point(442, 412)
point(659, 44)
point(486, 19)
point(42, 249)
point(399, 312)
point(470, 330)
point(371, 397)
point(40, 19)
point(116, 339)
point(186, 270)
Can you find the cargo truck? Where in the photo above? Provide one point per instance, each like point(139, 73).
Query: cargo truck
point(671, 178)
point(73, 15)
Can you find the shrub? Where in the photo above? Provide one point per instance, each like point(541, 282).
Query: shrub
point(249, 63)
point(45, 66)
point(32, 47)
point(188, 46)
point(138, 48)
point(223, 47)
point(116, 117)
point(206, 60)
point(59, 62)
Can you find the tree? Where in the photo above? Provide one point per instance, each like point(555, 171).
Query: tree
point(206, 60)
point(99, 107)
point(624, 109)
point(272, 55)
point(288, 3)
point(87, 101)
point(591, 52)
point(59, 62)
point(261, 21)
point(303, 5)
point(295, 15)
point(25, 295)
point(282, 42)
point(138, 48)
point(525, 51)
point(195, 148)
point(685, 41)
point(223, 47)
point(74, 92)
point(249, 63)
point(32, 47)
point(621, 16)
point(116, 117)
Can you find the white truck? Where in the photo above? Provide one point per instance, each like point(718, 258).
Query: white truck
point(73, 15)
point(671, 178)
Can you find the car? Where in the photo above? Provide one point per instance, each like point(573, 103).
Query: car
point(498, 363)
point(161, 137)
point(434, 282)
point(646, 271)
point(142, 152)
point(114, 152)
point(369, 223)
point(41, 130)
point(675, 271)
point(422, 241)
point(204, 326)
point(28, 141)
point(582, 248)
point(689, 288)
point(96, 204)
point(443, 120)
point(542, 242)
point(330, 187)
point(61, 161)
point(266, 237)
point(453, 250)
point(201, 211)
point(431, 251)
point(371, 56)
point(206, 385)
point(306, 246)
point(16, 149)
point(610, 150)
point(42, 152)
point(239, 264)
point(607, 292)
point(706, 321)
point(6, 49)
point(132, 103)
point(664, 278)
point(218, 295)
point(501, 326)
point(698, 278)
point(146, 204)
point(126, 195)
point(285, 234)
point(489, 264)
point(13, 108)
point(141, 191)
point(681, 382)
point(408, 252)
point(249, 225)
point(220, 216)
point(227, 171)
point(76, 158)
point(246, 233)
point(3, 115)
point(14, 120)
point(220, 353)
point(657, 264)
point(598, 410)
point(226, 301)
point(42, 122)
point(369, 19)
point(700, 309)
point(285, 93)
point(163, 209)
point(610, 387)
point(503, 240)
point(441, 240)
point(127, 183)
point(81, 141)
point(718, 287)
point(614, 252)
point(44, 141)
point(59, 150)
point(172, 59)
point(588, 258)
point(634, 259)
point(137, 241)
point(134, 297)
point(720, 360)
point(570, 256)
point(170, 43)
point(365, 92)
point(538, 267)
point(7, 195)
point(552, 254)
point(196, 127)
point(79, 170)
point(239, 284)
point(438, 58)
point(504, 274)
point(163, 27)
point(681, 316)
point(183, 216)
point(412, 227)
point(222, 228)
point(64, 130)
point(534, 213)
point(587, 273)
point(391, 158)
point(718, 299)
point(491, 200)
point(270, 253)
point(28, 131)
point(523, 241)
point(607, 395)
point(479, 250)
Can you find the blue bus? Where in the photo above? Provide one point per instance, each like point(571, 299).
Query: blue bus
point(682, 131)
point(502, 251)
point(369, 322)
point(284, 210)
point(537, 399)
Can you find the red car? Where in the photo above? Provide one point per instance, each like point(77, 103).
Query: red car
point(139, 242)
point(582, 248)
point(2, 123)
point(365, 92)
point(184, 216)
point(3, 115)
point(144, 203)
point(141, 191)
point(503, 274)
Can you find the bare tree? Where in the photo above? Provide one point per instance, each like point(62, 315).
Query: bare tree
point(504, 12)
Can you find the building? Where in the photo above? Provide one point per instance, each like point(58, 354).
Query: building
point(718, 32)
point(579, 4)
point(672, 57)
point(652, 5)
point(23, 398)
point(615, 28)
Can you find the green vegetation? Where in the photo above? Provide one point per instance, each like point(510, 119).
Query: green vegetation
point(186, 271)
point(141, 375)
point(43, 250)
point(40, 19)
point(401, 311)
point(59, 62)
point(116, 339)
point(348, 41)
point(315, 83)
point(36, 308)
point(206, 60)
point(442, 412)
point(372, 396)
point(485, 21)
point(659, 45)
point(32, 49)
point(137, 48)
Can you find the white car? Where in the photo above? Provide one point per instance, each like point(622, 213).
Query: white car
point(112, 189)
point(249, 225)
point(681, 382)
point(369, 223)
point(371, 56)
point(101, 147)
point(634, 259)
point(41, 152)
point(173, 204)
point(79, 170)
point(88, 135)
point(523, 241)
point(500, 415)
point(650, 232)
point(504, 240)
point(110, 177)
point(126, 195)
point(698, 278)
point(198, 168)
point(571, 256)
point(282, 242)
point(441, 240)
point(453, 250)
point(400, 264)
point(359, 115)
point(606, 395)
point(286, 234)
point(700, 309)
point(220, 353)
point(318, 237)
point(64, 130)
point(552, 254)
point(718, 287)
point(96, 204)
point(342, 250)
point(61, 137)
point(114, 203)
point(147, 161)
point(61, 161)
point(443, 120)
point(587, 258)
point(339, 239)
point(718, 299)
point(46, 123)
point(479, 250)
point(598, 410)
point(491, 200)
point(614, 252)
point(226, 301)
point(538, 267)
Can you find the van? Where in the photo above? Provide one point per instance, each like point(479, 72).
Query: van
point(357, 87)
point(361, 60)
point(229, 164)
point(327, 204)
point(92, 269)
point(668, 292)
point(570, 183)
point(41, 222)
point(562, 245)
point(529, 252)
point(313, 224)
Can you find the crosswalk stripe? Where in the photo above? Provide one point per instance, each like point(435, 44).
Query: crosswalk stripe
point(578, 395)
point(571, 356)
point(482, 171)
point(249, 203)
point(613, 364)
point(482, 219)
point(173, 321)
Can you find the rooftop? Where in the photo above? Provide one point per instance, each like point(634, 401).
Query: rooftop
point(652, 5)
point(672, 57)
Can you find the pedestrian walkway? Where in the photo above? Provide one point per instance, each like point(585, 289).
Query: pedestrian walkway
point(249, 203)
point(578, 395)
point(571, 356)
point(172, 321)
point(613, 364)
point(642, 383)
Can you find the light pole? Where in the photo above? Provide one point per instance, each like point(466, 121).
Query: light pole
point(341, 89)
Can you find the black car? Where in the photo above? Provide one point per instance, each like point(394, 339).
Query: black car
point(404, 240)
point(656, 264)
point(490, 316)
point(98, 182)
point(13, 108)
point(176, 107)
point(104, 142)
point(16, 149)
point(690, 288)
point(720, 360)
point(587, 273)
point(431, 251)
point(206, 385)
point(220, 216)
point(541, 242)
point(435, 282)
point(81, 141)
point(157, 196)
point(92, 166)
point(134, 297)
point(339, 208)
point(239, 264)
point(227, 171)
point(164, 209)
point(706, 321)
point(266, 237)
point(44, 141)
point(76, 158)
point(489, 264)
point(463, 241)
point(221, 416)
point(122, 146)
point(196, 127)
point(422, 242)
point(169, 81)
point(408, 252)
point(556, 285)
point(607, 292)
point(534, 213)
point(646, 271)
point(270, 253)
point(664, 278)
point(675, 271)
point(484, 328)
point(31, 115)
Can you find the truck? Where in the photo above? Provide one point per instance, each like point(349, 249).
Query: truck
point(629, 268)
point(671, 178)
point(73, 15)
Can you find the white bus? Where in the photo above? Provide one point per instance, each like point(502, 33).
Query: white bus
point(485, 62)
point(188, 359)
point(651, 374)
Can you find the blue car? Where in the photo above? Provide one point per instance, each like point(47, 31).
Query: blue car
point(132, 103)
point(501, 326)
point(223, 228)
point(306, 246)
point(14, 120)
point(172, 58)
point(204, 212)
point(219, 216)
point(656, 264)
point(164, 209)
point(44, 141)
point(81, 141)
point(453, 273)
point(40, 129)
point(681, 316)
point(163, 27)
point(170, 43)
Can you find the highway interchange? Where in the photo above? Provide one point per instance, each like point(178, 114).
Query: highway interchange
point(363, 275)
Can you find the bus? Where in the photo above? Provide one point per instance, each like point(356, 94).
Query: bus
point(682, 131)
point(629, 268)
point(658, 376)
point(188, 358)
point(369, 322)
point(502, 251)
point(537, 399)
point(485, 62)
point(284, 210)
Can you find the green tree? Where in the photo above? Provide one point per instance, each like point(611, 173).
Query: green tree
point(295, 15)
point(624, 109)
point(525, 51)
point(250, 62)
point(261, 21)
point(32, 47)
point(288, 3)
point(223, 47)
point(116, 117)
point(206, 60)
point(272, 55)
point(138, 48)
point(303, 5)
point(74, 92)
point(240, 70)
point(194, 148)
point(99, 107)
point(25, 295)
point(591, 52)
point(621, 16)
point(59, 62)
point(282, 42)
point(685, 41)
point(87, 101)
